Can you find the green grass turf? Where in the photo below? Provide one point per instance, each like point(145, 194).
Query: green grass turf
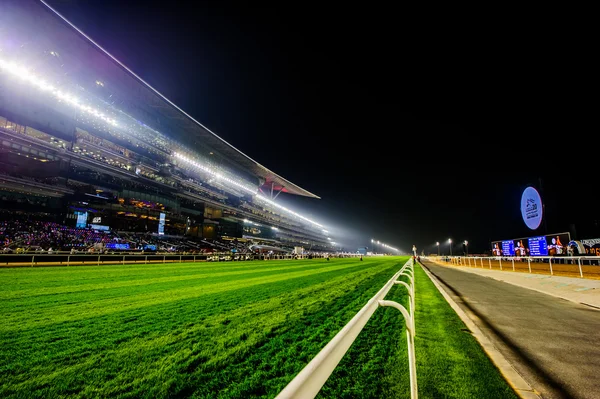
point(206, 330)
point(450, 362)
point(225, 330)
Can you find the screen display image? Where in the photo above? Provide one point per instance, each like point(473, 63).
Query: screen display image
point(81, 222)
point(113, 245)
point(546, 245)
point(149, 247)
point(521, 247)
point(557, 244)
point(538, 246)
point(497, 248)
point(508, 248)
point(99, 227)
point(161, 224)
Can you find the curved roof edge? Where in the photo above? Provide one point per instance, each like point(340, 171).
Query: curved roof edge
point(227, 149)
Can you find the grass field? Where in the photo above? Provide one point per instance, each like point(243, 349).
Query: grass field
point(218, 330)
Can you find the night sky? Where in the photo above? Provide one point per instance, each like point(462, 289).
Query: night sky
point(411, 131)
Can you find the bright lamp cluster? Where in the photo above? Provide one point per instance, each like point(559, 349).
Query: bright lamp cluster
point(214, 173)
point(29, 77)
point(384, 245)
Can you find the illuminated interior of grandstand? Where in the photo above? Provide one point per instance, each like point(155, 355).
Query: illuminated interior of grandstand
point(86, 144)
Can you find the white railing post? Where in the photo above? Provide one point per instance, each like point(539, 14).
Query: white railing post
point(194, 258)
point(412, 363)
point(550, 262)
point(123, 263)
point(32, 260)
point(411, 301)
point(513, 263)
point(146, 260)
point(500, 259)
point(580, 271)
point(179, 258)
point(98, 260)
point(490, 261)
point(529, 264)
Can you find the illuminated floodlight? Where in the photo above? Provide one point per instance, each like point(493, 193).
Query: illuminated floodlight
point(219, 176)
point(273, 203)
point(437, 243)
point(274, 228)
point(252, 190)
point(39, 83)
point(449, 240)
point(466, 242)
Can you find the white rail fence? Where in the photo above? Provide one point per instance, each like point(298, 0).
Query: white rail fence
point(590, 264)
point(312, 377)
point(68, 259)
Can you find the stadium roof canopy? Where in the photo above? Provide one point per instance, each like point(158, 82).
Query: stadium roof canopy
point(87, 63)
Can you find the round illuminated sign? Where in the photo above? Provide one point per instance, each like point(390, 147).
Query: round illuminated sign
point(531, 208)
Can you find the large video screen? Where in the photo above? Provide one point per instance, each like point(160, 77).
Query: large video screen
point(508, 248)
point(99, 227)
point(557, 243)
point(538, 246)
point(114, 245)
point(82, 218)
point(521, 247)
point(548, 245)
point(161, 224)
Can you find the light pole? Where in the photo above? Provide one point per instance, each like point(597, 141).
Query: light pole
point(438, 245)
point(450, 242)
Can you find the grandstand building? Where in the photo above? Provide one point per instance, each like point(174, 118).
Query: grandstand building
point(87, 142)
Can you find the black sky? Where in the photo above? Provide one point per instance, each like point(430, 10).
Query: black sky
point(411, 128)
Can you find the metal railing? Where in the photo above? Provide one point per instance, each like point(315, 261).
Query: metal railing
point(65, 258)
point(565, 265)
point(312, 377)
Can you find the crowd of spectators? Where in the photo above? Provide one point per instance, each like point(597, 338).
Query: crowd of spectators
point(24, 236)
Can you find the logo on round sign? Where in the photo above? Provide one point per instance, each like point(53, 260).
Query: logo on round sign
point(531, 208)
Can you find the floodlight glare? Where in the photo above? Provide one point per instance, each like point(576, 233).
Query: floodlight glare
point(29, 77)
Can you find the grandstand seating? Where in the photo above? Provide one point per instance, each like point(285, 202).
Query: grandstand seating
point(126, 144)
